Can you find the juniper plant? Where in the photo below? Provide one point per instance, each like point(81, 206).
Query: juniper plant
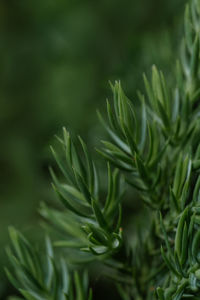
point(157, 153)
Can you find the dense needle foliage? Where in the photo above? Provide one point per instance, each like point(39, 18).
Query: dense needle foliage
point(155, 150)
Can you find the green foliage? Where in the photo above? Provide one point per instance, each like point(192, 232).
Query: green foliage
point(100, 222)
point(56, 59)
point(155, 150)
point(38, 277)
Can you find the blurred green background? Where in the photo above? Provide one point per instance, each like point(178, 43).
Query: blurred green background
point(56, 58)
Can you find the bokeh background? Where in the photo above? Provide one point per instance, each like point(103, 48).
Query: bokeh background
point(56, 58)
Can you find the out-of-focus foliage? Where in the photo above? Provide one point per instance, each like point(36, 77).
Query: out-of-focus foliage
point(42, 278)
point(56, 59)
